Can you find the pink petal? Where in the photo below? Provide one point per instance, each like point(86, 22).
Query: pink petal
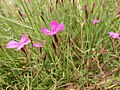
point(60, 28)
point(56, 30)
point(45, 30)
point(23, 41)
point(23, 38)
point(114, 35)
point(12, 44)
point(37, 45)
point(26, 41)
point(111, 33)
point(40, 45)
point(20, 46)
point(95, 21)
point(54, 24)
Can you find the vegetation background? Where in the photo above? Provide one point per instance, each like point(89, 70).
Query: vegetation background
point(87, 57)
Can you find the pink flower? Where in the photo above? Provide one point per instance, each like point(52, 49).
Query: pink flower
point(95, 21)
point(103, 51)
point(23, 41)
point(39, 45)
point(114, 35)
point(55, 28)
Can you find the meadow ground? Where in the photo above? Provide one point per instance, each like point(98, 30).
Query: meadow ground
point(59, 44)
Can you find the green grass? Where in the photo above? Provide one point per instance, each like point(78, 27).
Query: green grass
point(79, 63)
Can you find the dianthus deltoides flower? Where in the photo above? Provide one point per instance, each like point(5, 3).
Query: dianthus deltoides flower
point(114, 35)
point(18, 45)
point(39, 45)
point(95, 21)
point(55, 28)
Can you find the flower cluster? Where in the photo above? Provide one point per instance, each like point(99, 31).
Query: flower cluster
point(55, 28)
point(21, 44)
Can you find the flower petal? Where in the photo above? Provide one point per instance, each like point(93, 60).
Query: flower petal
point(12, 44)
point(37, 45)
point(114, 35)
point(40, 45)
point(45, 30)
point(60, 28)
point(95, 21)
point(23, 38)
point(26, 41)
point(111, 33)
point(56, 30)
point(20, 46)
point(54, 24)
